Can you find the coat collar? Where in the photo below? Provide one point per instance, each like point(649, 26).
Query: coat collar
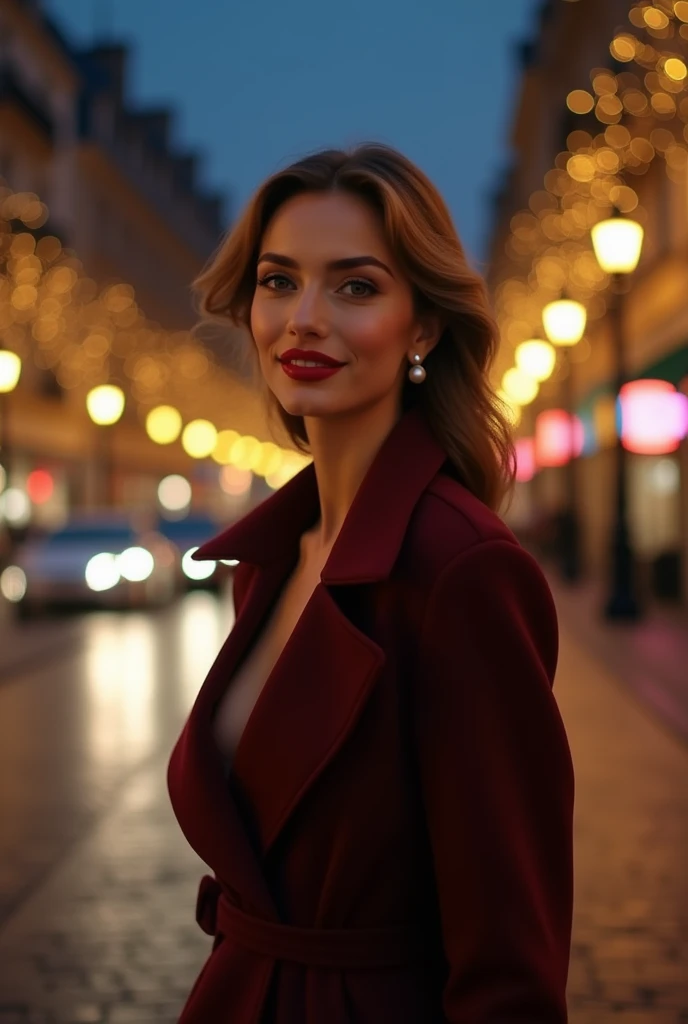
point(373, 531)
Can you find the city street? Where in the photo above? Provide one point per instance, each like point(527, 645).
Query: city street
point(97, 885)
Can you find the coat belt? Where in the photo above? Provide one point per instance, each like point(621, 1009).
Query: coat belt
point(339, 948)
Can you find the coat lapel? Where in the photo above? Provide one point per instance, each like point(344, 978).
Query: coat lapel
point(323, 678)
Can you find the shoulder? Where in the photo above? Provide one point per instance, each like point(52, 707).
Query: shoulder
point(474, 571)
point(448, 521)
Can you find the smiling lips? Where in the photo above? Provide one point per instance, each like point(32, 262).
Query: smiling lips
point(305, 365)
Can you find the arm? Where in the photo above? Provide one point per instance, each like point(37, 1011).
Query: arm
point(497, 784)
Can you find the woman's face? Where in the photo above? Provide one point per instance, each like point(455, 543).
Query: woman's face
point(328, 286)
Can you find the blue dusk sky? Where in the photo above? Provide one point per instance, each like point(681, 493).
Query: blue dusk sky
point(257, 83)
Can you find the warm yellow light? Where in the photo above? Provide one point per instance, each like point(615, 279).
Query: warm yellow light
point(519, 386)
point(292, 463)
point(245, 452)
point(655, 18)
point(10, 368)
point(222, 453)
point(164, 424)
point(564, 321)
point(617, 243)
point(536, 358)
point(269, 459)
point(623, 47)
point(199, 438)
point(105, 404)
point(513, 409)
point(681, 10)
point(581, 167)
point(675, 68)
point(580, 101)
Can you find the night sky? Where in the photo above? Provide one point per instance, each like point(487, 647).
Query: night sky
point(257, 83)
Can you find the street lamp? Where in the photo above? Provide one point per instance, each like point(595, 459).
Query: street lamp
point(617, 242)
point(10, 369)
point(105, 405)
point(564, 321)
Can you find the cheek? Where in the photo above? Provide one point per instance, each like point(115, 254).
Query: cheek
point(381, 329)
point(264, 325)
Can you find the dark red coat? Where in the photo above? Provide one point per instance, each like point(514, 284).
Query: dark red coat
point(396, 844)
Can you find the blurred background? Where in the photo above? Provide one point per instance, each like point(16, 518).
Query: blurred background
point(131, 135)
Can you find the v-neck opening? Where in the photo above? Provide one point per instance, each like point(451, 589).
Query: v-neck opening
point(229, 763)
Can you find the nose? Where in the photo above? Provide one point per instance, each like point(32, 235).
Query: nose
point(307, 314)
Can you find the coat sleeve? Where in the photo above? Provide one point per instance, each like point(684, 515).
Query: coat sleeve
point(497, 786)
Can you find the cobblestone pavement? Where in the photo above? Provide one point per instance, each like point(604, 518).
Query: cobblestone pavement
point(108, 934)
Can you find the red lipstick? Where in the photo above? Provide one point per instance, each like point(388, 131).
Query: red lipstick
point(325, 366)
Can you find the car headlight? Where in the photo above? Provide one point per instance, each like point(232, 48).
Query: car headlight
point(196, 570)
point(102, 571)
point(13, 583)
point(136, 564)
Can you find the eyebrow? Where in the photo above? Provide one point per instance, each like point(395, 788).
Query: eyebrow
point(344, 264)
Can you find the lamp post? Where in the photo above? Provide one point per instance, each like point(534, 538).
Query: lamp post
point(10, 369)
point(564, 321)
point(617, 242)
point(105, 405)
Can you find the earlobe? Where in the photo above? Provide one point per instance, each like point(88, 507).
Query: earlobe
point(432, 330)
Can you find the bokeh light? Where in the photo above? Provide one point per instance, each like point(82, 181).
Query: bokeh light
point(135, 564)
point(536, 358)
point(197, 570)
point(15, 506)
point(174, 492)
point(199, 438)
point(40, 486)
point(10, 370)
point(105, 404)
point(13, 583)
point(102, 572)
point(164, 424)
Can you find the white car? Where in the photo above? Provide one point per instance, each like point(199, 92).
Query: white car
point(99, 559)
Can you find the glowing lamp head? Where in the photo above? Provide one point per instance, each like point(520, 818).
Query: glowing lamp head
point(536, 359)
point(564, 321)
point(10, 368)
point(105, 404)
point(519, 387)
point(617, 242)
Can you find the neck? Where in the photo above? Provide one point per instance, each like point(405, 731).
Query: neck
point(343, 450)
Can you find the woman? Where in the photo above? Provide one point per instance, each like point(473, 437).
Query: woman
point(375, 768)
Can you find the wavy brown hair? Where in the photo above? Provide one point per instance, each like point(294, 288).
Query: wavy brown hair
point(461, 408)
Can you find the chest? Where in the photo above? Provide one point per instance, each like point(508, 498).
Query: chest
point(248, 681)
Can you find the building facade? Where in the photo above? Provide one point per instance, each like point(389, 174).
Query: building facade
point(600, 124)
point(95, 278)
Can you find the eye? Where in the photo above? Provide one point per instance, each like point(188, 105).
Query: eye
point(358, 282)
point(265, 282)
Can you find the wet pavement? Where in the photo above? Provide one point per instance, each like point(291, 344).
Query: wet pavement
point(97, 885)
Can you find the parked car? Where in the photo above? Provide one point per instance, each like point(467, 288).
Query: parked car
point(95, 559)
point(187, 535)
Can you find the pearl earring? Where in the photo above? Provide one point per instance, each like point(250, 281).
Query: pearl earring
point(417, 372)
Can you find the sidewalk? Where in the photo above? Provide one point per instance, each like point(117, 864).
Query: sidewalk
point(109, 936)
point(649, 657)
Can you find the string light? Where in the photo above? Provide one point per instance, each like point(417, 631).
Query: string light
point(53, 313)
point(641, 113)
